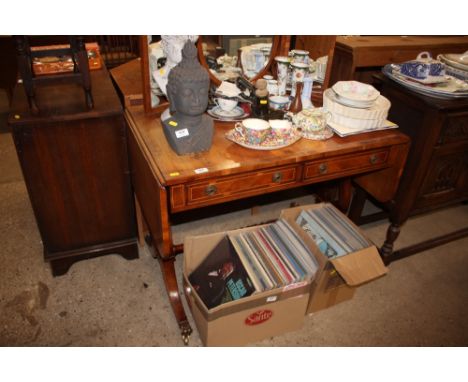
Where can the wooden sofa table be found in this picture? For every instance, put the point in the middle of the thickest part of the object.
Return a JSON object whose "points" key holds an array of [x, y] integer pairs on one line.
{"points": [[166, 184]]}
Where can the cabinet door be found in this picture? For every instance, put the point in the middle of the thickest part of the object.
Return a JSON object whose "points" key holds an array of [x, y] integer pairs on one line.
{"points": [[446, 179], [78, 181]]}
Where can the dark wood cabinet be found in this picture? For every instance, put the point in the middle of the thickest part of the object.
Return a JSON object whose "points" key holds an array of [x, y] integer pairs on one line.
{"points": [[436, 171], [75, 165], [360, 57]]}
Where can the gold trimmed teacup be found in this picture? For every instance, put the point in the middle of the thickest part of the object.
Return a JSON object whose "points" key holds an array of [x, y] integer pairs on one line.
{"points": [[253, 130]]}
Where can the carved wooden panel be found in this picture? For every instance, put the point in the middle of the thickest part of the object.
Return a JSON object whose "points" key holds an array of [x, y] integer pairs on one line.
{"points": [[455, 129], [447, 175]]}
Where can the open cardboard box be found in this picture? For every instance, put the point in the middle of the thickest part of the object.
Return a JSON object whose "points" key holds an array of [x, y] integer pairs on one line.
{"points": [[249, 319], [338, 278], [280, 310]]}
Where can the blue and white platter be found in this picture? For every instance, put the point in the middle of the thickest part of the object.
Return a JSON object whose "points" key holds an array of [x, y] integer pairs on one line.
{"points": [[449, 89]]}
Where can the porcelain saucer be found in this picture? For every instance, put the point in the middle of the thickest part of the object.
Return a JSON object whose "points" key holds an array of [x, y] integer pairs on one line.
{"points": [[270, 142], [234, 115]]}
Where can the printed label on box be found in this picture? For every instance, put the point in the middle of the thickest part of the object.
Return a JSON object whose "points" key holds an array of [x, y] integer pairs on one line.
{"points": [[258, 317]]}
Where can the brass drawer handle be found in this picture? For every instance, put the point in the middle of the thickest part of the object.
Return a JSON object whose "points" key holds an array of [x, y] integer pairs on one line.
{"points": [[373, 159], [277, 177], [211, 190], [323, 168]]}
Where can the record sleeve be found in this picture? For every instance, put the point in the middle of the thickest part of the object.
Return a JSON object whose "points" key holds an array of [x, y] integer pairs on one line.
{"points": [[349, 229], [325, 244], [221, 276], [242, 250]]}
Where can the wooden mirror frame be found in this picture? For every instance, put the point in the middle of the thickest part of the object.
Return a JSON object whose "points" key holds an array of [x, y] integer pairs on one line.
{"points": [[145, 76], [279, 47]]}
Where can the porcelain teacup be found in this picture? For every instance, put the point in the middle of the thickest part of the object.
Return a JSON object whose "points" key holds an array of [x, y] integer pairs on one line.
{"points": [[281, 129], [253, 130], [226, 104], [279, 102]]}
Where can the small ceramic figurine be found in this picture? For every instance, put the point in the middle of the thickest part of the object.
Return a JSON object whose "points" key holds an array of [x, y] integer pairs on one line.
{"points": [[260, 105], [188, 130]]}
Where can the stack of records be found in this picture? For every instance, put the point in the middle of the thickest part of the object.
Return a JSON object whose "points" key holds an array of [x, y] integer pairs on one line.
{"points": [[333, 235], [274, 256]]}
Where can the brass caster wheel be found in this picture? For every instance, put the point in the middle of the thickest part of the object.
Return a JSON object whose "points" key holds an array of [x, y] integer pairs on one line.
{"points": [[186, 331], [149, 240]]}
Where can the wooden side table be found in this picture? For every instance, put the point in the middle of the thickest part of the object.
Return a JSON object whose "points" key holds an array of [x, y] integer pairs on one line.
{"points": [[75, 165]]}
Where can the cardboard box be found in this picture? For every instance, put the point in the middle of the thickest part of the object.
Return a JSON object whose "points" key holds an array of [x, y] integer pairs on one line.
{"points": [[338, 278], [249, 319]]}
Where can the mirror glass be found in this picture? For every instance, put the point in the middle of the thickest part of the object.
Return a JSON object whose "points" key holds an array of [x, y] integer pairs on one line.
{"points": [[230, 56], [225, 57]]}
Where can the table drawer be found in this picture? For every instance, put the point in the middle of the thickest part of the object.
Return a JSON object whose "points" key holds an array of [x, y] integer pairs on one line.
{"points": [[234, 187], [330, 168]]}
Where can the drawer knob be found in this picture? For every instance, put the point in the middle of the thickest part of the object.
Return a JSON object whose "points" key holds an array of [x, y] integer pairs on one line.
{"points": [[277, 177], [373, 159], [211, 190], [323, 168]]}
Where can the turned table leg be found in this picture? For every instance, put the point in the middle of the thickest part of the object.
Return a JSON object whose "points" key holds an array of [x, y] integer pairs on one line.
{"points": [[170, 281], [387, 248], [357, 205], [167, 265], [344, 195], [398, 217]]}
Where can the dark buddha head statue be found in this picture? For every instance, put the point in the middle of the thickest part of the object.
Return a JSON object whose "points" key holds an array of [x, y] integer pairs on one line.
{"points": [[188, 84], [188, 130]]}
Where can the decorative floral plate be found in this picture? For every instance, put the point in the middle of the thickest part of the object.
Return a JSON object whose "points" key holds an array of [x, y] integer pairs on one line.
{"points": [[355, 91], [270, 142]]}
